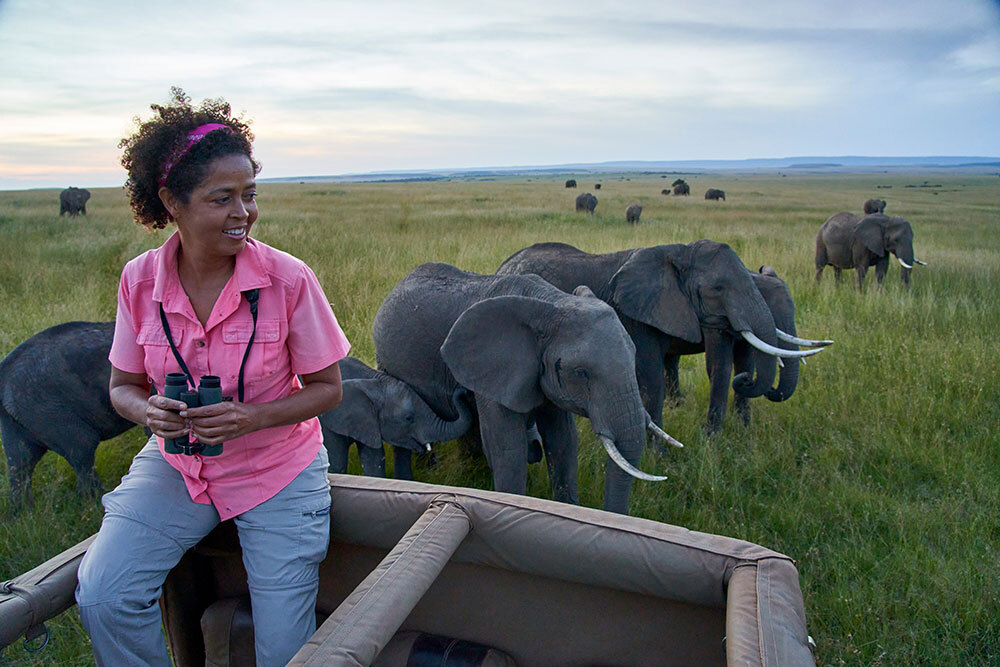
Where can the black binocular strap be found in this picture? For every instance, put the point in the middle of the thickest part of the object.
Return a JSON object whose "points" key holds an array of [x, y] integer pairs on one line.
{"points": [[251, 297]]}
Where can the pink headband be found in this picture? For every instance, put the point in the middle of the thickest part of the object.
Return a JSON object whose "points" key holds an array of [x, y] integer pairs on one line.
{"points": [[193, 137]]}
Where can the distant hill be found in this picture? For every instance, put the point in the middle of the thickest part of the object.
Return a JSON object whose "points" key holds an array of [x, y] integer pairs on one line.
{"points": [[791, 165]]}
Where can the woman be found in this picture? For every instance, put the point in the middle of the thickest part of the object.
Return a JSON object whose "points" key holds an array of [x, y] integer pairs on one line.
{"points": [[187, 307]]}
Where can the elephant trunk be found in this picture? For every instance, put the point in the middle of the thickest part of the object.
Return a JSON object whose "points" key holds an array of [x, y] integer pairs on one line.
{"points": [[442, 430], [904, 253], [751, 315], [620, 422], [788, 376]]}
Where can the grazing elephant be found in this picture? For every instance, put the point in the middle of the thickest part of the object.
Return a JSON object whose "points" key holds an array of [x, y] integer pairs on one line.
{"points": [[377, 407], [597, 186], [54, 395], [874, 206], [848, 241], [745, 356], [664, 191], [672, 299], [530, 354], [73, 201], [716, 194], [571, 183], [586, 203], [682, 189], [632, 213]]}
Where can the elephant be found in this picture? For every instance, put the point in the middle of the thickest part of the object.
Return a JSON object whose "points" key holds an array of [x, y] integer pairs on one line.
{"points": [[54, 395], [716, 194], [779, 302], [632, 213], [530, 353], [586, 203], [377, 407], [673, 300], [571, 183], [682, 189], [874, 206], [664, 191], [848, 241], [73, 201], [597, 186]]}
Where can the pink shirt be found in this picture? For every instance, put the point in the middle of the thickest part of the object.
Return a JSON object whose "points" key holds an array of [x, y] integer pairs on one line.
{"points": [[297, 333]]}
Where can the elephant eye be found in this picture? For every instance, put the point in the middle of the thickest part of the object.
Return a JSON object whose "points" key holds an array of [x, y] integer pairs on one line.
{"points": [[580, 373]]}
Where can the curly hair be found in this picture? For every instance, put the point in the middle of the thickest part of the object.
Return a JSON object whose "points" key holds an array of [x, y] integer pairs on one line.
{"points": [[146, 151]]}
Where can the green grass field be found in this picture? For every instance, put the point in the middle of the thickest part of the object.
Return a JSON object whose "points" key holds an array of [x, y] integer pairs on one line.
{"points": [[879, 477]]}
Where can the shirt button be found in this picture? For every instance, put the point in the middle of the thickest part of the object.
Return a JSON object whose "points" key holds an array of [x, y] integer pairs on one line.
{"points": [[201, 343]]}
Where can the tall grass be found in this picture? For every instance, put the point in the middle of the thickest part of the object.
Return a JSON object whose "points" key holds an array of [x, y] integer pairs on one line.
{"points": [[879, 476]]}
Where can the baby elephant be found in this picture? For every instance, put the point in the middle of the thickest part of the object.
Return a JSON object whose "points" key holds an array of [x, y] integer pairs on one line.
{"points": [[376, 407], [874, 206], [632, 213], [54, 395]]}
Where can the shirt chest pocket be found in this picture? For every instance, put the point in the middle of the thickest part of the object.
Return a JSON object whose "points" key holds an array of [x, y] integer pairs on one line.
{"points": [[267, 354], [158, 359]]}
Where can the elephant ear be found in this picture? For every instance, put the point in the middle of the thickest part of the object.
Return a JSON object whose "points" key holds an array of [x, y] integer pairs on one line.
{"points": [[357, 416], [647, 288], [768, 270], [870, 233], [494, 350]]}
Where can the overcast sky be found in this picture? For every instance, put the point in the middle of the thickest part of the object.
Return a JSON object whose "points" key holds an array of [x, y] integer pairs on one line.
{"points": [[347, 87]]}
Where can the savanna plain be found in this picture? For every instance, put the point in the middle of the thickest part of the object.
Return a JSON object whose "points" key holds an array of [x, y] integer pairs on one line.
{"points": [[879, 476]]}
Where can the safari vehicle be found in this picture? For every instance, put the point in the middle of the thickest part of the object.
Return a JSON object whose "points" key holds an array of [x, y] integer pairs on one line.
{"points": [[477, 578]]}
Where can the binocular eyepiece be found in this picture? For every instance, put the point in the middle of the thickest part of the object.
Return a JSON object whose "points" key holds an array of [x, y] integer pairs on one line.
{"points": [[209, 392]]}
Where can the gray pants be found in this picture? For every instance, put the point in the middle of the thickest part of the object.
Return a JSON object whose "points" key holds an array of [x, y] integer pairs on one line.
{"points": [[150, 521]]}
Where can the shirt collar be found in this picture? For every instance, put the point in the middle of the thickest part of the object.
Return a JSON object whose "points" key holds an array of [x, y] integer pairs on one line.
{"points": [[250, 273]]}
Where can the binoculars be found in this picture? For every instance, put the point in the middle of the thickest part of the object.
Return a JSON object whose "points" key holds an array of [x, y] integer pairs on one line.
{"points": [[209, 392]]}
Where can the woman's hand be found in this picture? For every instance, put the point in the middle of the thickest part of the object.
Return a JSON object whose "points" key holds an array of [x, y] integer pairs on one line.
{"points": [[219, 422], [163, 418]]}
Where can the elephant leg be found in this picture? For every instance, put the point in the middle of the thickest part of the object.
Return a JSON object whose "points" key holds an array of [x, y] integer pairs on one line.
{"points": [[860, 272], [402, 463], [337, 448], [649, 370], [743, 363], [560, 441], [505, 441], [719, 365], [881, 267], [837, 274], [671, 378], [372, 460], [22, 453]]}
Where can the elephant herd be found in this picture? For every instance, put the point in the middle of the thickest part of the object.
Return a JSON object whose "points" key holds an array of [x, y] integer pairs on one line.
{"points": [[503, 360], [587, 202]]}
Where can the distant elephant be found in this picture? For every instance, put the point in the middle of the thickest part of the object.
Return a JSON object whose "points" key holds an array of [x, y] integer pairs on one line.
{"points": [[377, 407], [779, 302], [874, 206], [632, 213], [54, 395], [673, 300], [73, 201], [597, 186], [664, 191], [571, 183], [682, 189], [529, 353], [848, 241], [677, 182], [586, 203], [713, 193]]}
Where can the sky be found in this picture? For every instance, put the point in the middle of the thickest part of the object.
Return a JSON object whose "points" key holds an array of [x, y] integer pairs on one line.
{"points": [[356, 87]]}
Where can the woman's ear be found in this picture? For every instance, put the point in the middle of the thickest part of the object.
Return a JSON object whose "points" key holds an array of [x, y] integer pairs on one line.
{"points": [[170, 202]]}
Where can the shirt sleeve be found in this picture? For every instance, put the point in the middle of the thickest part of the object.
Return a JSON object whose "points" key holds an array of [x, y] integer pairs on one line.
{"points": [[315, 339], [126, 354]]}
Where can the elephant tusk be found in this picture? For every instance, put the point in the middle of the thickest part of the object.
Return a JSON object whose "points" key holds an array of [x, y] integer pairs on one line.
{"points": [[617, 457], [666, 437], [428, 446], [788, 338], [917, 261], [776, 351], [803, 361], [781, 363], [905, 265]]}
